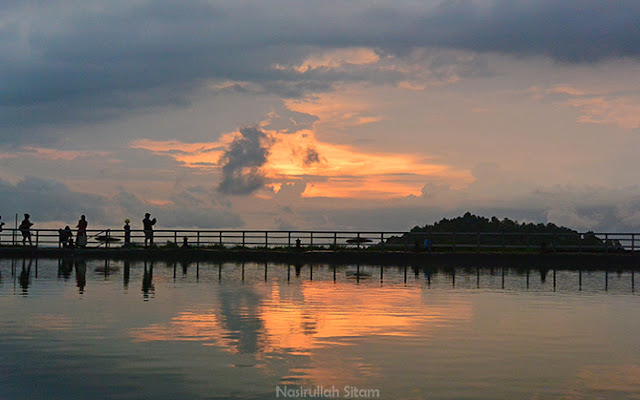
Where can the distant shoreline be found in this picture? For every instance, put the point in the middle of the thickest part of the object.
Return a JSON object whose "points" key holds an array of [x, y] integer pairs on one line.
{"points": [[514, 260]]}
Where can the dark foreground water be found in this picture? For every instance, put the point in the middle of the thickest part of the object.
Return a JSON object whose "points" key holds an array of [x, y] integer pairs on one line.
{"points": [[110, 330]]}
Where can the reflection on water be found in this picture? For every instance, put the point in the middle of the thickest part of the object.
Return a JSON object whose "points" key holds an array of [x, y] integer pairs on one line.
{"points": [[203, 330]]}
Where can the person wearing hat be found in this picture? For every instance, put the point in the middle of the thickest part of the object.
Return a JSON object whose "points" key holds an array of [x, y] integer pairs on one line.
{"points": [[24, 227], [127, 233]]}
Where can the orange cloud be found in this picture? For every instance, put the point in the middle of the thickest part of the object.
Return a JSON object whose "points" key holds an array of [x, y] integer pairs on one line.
{"points": [[330, 170], [332, 59]]}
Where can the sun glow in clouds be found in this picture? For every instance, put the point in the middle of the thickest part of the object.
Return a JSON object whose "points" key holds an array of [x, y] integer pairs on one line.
{"points": [[328, 170]]}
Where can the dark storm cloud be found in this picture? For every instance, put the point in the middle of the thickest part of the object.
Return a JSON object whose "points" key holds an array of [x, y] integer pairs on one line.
{"points": [[67, 63], [566, 30], [242, 162]]}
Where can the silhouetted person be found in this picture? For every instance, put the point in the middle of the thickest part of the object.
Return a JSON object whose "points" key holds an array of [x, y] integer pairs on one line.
{"points": [[25, 229], [185, 243], [81, 236], [147, 226], [65, 236], [127, 233]]}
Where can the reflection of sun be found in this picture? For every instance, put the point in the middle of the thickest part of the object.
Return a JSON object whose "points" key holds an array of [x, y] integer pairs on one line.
{"points": [[308, 324], [617, 381], [188, 326], [327, 316]]}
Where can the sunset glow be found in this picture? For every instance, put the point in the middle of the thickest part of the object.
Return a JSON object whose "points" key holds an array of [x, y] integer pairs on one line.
{"points": [[286, 326], [332, 171]]}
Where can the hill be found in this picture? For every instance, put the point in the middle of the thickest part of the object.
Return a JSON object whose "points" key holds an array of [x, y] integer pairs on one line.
{"points": [[472, 231]]}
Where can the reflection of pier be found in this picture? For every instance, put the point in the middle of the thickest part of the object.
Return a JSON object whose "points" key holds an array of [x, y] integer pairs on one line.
{"points": [[25, 275]]}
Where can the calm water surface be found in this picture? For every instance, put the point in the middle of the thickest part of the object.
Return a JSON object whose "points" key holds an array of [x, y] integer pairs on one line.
{"points": [[113, 330]]}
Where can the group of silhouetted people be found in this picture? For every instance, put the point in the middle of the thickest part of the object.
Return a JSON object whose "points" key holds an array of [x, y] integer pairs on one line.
{"points": [[66, 235]]}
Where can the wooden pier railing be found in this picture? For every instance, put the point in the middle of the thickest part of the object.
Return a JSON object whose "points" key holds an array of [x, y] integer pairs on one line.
{"points": [[336, 240]]}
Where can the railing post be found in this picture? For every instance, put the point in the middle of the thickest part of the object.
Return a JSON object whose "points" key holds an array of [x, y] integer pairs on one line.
{"points": [[633, 242], [266, 240], [107, 236], [198, 240], [175, 237], [243, 238], [606, 242], [503, 244], [382, 240], [311, 240], [454, 242], [289, 238], [221, 239], [478, 242], [37, 237], [358, 241], [335, 240]]}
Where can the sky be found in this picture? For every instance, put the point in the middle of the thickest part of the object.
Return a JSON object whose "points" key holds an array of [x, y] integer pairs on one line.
{"points": [[332, 115]]}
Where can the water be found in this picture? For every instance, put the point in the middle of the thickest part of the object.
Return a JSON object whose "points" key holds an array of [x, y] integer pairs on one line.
{"points": [[112, 330]]}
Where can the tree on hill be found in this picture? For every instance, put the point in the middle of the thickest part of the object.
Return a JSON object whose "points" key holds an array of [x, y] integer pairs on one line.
{"points": [[473, 223], [471, 231]]}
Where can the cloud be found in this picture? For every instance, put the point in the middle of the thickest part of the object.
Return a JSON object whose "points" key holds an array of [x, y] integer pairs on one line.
{"points": [[622, 111], [289, 192], [49, 200], [568, 215], [193, 207], [242, 162], [286, 121], [311, 156], [69, 63]]}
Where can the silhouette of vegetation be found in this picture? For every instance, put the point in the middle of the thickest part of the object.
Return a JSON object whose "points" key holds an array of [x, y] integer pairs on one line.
{"points": [[474, 231]]}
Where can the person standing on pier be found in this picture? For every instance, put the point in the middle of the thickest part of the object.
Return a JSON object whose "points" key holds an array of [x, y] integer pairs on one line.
{"points": [[81, 236], [25, 229], [147, 226], [127, 233]]}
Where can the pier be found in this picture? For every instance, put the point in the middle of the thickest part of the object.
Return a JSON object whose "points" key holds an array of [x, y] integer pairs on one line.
{"points": [[580, 250], [437, 242]]}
